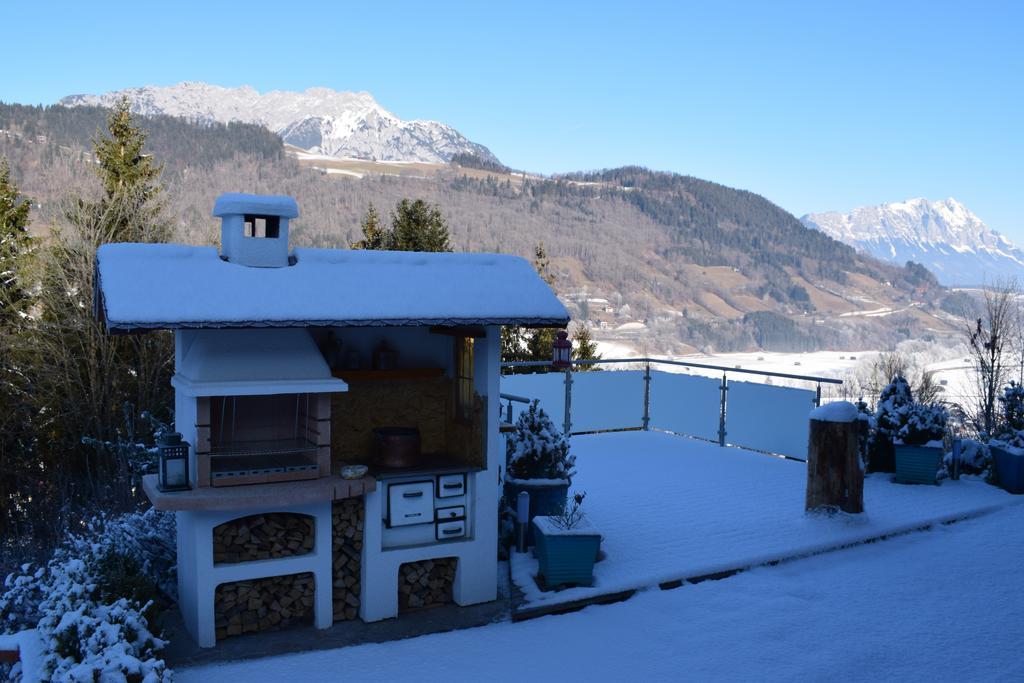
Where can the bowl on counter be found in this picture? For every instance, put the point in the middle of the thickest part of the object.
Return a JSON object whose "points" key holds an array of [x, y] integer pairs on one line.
{"points": [[354, 471]]}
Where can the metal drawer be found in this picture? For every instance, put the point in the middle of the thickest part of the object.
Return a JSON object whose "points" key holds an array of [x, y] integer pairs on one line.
{"points": [[410, 503], [451, 485], [453, 513], [449, 530]]}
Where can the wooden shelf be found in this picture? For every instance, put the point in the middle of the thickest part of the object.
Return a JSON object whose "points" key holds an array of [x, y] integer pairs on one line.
{"points": [[395, 374]]}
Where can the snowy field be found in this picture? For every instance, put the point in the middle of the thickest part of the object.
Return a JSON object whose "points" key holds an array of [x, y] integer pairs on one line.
{"points": [[671, 508], [936, 605]]}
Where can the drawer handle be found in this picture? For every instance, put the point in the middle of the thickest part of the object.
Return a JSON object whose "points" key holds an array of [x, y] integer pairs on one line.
{"points": [[414, 514], [453, 486], [413, 494], [451, 532]]}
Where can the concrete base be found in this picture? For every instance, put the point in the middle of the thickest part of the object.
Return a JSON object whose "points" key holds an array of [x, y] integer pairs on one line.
{"points": [[184, 652]]}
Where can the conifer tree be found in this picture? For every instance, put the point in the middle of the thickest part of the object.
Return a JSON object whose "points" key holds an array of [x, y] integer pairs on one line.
{"points": [[374, 234], [418, 226], [584, 347], [15, 246]]}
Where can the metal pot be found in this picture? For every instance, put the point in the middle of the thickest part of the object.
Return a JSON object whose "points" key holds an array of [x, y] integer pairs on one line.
{"points": [[397, 446]]}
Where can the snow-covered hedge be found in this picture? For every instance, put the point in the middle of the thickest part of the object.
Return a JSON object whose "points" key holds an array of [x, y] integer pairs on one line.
{"points": [[923, 422], [537, 449], [93, 602]]}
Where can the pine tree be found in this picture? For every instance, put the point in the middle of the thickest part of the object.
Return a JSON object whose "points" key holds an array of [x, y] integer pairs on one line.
{"points": [[518, 344], [418, 226], [375, 235], [584, 347], [132, 202], [15, 246]]}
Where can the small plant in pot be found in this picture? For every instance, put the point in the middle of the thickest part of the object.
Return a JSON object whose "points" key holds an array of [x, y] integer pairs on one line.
{"points": [[567, 546], [538, 462], [919, 448], [1008, 447]]}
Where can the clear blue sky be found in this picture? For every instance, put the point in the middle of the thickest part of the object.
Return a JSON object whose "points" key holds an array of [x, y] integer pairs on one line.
{"points": [[816, 105]]}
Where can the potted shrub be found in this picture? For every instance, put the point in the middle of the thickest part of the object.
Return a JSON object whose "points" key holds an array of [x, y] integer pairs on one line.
{"points": [[1008, 448], [919, 449], [538, 462], [567, 546], [890, 416]]}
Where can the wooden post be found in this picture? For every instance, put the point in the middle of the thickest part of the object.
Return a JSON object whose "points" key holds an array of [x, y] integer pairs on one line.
{"points": [[835, 478]]}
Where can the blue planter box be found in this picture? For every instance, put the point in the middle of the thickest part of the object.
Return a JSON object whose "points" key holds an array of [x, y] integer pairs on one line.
{"points": [[566, 557], [545, 500], [1009, 469], [917, 464]]}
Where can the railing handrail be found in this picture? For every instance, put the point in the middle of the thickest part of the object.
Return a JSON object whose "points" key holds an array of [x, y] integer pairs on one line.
{"points": [[688, 364], [515, 399]]}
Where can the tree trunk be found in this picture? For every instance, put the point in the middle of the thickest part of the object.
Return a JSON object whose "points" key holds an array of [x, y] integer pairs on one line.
{"points": [[835, 479]]}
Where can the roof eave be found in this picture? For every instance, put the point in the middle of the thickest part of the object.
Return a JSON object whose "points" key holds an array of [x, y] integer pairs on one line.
{"points": [[124, 327]]}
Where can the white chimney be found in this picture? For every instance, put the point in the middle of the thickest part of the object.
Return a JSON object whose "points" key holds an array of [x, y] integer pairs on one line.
{"points": [[254, 228]]}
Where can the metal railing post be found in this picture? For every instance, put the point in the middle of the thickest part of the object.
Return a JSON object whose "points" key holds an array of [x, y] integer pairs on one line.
{"points": [[817, 396], [647, 397], [721, 412], [567, 424], [508, 413]]}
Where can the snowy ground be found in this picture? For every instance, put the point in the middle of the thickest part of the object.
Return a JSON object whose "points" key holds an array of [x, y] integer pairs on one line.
{"points": [[672, 508], [935, 605]]}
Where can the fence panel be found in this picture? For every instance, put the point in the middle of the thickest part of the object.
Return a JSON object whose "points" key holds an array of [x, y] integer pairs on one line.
{"points": [[686, 404], [609, 399], [549, 388], [768, 418]]}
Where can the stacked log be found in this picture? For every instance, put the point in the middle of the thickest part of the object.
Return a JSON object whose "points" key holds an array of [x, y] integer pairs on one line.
{"points": [[263, 604], [263, 537], [427, 583], [347, 548]]}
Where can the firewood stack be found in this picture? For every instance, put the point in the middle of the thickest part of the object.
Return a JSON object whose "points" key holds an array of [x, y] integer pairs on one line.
{"points": [[427, 583], [347, 547], [263, 537], [263, 604]]}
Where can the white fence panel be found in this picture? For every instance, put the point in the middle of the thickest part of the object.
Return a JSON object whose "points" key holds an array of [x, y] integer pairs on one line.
{"points": [[686, 404], [549, 388], [769, 418], [607, 399]]}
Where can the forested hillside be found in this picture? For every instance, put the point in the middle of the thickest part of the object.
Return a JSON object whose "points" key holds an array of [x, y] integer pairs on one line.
{"points": [[682, 263]]}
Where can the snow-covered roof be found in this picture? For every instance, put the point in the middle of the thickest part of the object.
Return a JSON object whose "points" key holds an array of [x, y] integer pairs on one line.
{"points": [[250, 362], [169, 286]]}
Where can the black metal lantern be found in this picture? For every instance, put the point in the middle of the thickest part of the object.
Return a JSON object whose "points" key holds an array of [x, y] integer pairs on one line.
{"points": [[561, 351], [173, 462]]}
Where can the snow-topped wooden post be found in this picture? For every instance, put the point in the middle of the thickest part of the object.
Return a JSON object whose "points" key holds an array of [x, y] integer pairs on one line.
{"points": [[835, 475]]}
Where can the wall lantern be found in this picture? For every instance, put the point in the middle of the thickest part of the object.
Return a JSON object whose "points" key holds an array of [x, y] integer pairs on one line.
{"points": [[561, 351], [173, 462]]}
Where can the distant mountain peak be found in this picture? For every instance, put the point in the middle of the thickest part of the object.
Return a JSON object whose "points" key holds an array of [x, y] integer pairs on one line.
{"points": [[319, 120], [943, 235]]}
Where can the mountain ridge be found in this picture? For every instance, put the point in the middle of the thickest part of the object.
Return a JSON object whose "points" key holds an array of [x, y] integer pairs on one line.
{"points": [[942, 235], [319, 120]]}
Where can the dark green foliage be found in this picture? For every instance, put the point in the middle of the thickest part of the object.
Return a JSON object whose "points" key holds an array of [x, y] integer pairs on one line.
{"points": [[15, 247], [415, 226], [468, 160], [584, 348], [120, 575]]}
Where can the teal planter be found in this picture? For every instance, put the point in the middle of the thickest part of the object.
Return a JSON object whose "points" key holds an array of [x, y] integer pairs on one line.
{"points": [[565, 557], [917, 464], [546, 499], [1009, 469]]}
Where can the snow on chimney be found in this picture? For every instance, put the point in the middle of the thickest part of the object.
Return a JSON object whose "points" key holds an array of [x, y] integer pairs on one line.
{"points": [[254, 228]]}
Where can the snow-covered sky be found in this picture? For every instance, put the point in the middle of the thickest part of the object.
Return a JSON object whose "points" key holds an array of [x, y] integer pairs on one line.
{"points": [[815, 105]]}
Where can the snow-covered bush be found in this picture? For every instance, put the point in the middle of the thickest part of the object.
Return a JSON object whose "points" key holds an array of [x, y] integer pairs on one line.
{"points": [[923, 422], [975, 458], [537, 449], [893, 402], [93, 602]]}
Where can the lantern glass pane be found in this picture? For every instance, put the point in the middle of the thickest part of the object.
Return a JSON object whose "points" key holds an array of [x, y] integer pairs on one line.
{"points": [[175, 472]]}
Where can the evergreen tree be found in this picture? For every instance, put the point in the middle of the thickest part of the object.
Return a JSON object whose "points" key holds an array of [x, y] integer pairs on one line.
{"points": [[584, 347], [18, 470], [375, 236], [418, 226], [415, 226], [130, 180], [518, 344], [15, 245]]}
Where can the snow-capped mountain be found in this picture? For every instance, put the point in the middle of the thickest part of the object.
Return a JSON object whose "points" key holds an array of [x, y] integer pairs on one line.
{"points": [[943, 236], [319, 120]]}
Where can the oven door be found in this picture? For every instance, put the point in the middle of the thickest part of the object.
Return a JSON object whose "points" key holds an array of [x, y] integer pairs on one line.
{"points": [[410, 503]]}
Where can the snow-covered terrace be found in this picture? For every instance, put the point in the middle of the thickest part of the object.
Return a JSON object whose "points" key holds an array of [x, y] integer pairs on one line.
{"points": [[672, 508]]}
